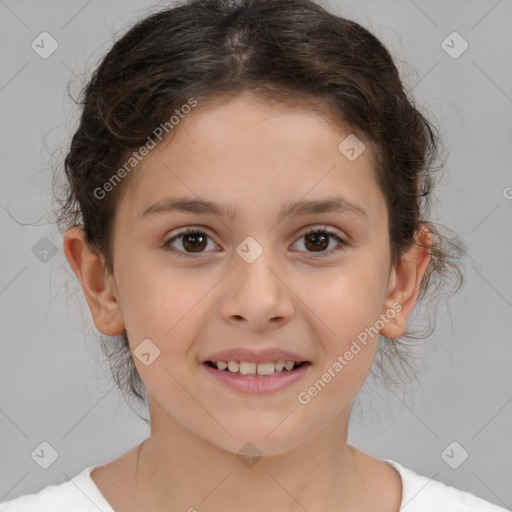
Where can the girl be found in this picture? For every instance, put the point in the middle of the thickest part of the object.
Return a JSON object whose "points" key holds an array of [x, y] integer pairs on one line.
{"points": [[248, 190]]}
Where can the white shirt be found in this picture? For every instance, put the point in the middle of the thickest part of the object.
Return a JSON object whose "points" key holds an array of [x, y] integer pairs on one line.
{"points": [[80, 494]]}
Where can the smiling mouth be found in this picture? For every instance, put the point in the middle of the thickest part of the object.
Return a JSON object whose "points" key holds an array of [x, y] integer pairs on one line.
{"points": [[257, 370]]}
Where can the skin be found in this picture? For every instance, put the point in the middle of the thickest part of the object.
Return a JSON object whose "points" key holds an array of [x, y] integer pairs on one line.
{"points": [[189, 307]]}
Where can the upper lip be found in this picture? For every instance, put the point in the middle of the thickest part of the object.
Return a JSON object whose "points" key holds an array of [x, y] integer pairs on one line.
{"points": [[255, 356]]}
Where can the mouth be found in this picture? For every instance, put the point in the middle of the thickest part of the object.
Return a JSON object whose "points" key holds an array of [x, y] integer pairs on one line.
{"points": [[257, 378]]}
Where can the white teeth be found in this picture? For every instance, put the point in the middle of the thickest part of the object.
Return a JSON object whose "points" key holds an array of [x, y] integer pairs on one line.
{"points": [[250, 368], [289, 365], [247, 368], [233, 366], [265, 368]]}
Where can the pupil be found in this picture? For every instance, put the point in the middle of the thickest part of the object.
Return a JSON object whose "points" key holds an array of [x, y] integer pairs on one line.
{"points": [[318, 238], [198, 242]]}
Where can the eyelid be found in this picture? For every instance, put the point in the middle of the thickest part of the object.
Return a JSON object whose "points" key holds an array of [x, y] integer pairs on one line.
{"points": [[187, 229], [323, 227]]}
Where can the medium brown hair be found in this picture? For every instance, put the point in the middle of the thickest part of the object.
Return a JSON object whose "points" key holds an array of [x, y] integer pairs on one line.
{"points": [[283, 51]]}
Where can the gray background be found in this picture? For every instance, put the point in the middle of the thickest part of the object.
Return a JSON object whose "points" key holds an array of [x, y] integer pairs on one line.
{"points": [[54, 385]]}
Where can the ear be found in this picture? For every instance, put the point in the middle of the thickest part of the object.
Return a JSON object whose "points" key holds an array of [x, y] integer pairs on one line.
{"points": [[98, 287], [405, 280]]}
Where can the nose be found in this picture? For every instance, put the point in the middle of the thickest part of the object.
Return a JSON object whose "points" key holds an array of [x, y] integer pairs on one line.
{"points": [[257, 295]]}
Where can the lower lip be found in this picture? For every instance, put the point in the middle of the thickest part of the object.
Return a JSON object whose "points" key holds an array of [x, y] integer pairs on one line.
{"points": [[258, 385]]}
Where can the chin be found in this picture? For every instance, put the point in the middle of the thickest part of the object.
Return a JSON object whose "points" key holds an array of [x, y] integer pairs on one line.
{"points": [[254, 441]]}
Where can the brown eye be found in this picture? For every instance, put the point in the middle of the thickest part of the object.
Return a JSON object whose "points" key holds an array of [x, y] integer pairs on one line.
{"points": [[191, 241], [194, 242], [317, 240]]}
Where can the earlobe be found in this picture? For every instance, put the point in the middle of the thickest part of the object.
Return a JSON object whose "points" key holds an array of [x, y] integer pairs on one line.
{"points": [[98, 287], [405, 282]]}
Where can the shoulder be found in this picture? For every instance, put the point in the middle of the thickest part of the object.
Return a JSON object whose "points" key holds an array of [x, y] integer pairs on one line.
{"points": [[79, 493], [423, 494]]}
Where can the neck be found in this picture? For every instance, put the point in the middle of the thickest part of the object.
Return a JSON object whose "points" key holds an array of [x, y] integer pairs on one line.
{"points": [[175, 466]]}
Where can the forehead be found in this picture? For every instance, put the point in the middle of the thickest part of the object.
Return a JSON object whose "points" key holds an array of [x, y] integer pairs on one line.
{"points": [[244, 151]]}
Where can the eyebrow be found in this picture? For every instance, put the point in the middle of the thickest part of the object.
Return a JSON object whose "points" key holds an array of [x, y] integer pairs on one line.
{"points": [[199, 206]]}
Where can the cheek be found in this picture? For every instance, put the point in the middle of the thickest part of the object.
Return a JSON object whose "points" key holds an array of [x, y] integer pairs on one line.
{"points": [[346, 300], [347, 304], [162, 319], [346, 311], [158, 302]]}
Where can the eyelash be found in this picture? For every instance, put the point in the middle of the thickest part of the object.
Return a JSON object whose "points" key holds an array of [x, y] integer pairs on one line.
{"points": [[316, 230]]}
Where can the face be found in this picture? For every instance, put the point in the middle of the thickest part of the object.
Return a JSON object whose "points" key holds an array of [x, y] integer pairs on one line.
{"points": [[309, 282]]}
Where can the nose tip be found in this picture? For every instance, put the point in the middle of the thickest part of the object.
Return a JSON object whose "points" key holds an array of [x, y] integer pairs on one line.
{"points": [[257, 296]]}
